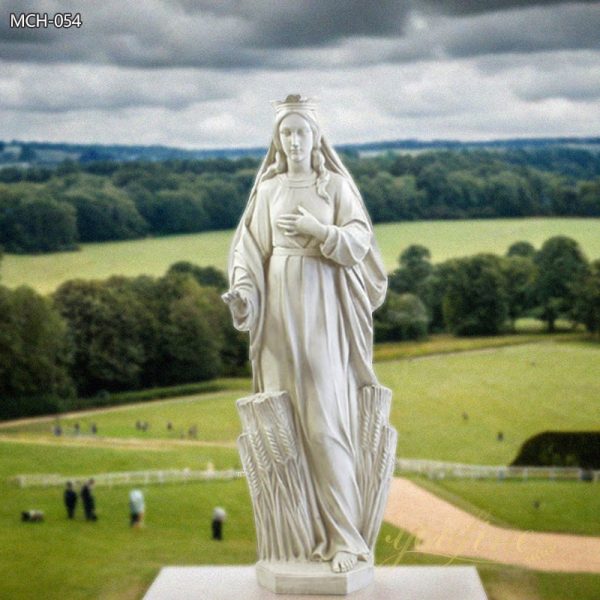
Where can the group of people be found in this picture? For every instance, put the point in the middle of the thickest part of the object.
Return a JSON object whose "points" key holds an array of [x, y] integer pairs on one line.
{"points": [[58, 430], [192, 431], [137, 506], [87, 499]]}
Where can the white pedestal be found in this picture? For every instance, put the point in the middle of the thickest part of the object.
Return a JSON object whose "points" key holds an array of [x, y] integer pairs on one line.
{"points": [[312, 578], [397, 583]]}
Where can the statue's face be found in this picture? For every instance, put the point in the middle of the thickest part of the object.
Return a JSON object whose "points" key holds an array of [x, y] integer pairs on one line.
{"points": [[296, 137]]}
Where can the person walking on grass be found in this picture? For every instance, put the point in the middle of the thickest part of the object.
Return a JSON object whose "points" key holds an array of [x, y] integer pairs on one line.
{"points": [[89, 502], [218, 519], [137, 508], [70, 498]]}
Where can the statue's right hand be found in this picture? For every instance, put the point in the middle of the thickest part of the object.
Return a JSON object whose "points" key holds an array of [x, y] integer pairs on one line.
{"points": [[237, 303]]}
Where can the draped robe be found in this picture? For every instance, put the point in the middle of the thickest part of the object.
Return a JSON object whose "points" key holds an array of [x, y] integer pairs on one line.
{"points": [[309, 313]]}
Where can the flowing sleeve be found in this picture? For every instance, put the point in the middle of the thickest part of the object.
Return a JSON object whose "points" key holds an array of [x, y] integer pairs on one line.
{"points": [[252, 248], [349, 238]]}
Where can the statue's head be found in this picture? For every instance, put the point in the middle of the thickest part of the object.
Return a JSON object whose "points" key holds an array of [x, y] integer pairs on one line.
{"points": [[295, 137], [297, 133]]}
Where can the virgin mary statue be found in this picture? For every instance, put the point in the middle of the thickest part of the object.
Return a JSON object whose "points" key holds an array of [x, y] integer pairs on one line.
{"points": [[305, 276]]}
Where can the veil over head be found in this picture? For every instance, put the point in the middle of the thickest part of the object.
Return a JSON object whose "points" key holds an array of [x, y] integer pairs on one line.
{"points": [[372, 265], [371, 268]]}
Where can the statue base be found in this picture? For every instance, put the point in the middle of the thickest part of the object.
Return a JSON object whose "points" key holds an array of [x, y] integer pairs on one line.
{"points": [[239, 582], [312, 577]]}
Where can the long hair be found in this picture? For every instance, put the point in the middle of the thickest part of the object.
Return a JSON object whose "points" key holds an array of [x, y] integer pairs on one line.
{"points": [[324, 161], [279, 164]]}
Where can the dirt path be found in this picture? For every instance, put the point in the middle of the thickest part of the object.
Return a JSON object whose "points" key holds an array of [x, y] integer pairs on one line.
{"points": [[442, 528], [118, 408], [113, 442]]}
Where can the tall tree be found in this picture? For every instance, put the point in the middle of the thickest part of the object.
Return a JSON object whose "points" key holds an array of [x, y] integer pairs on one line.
{"points": [[519, 276], [402, 317], [522, 248], [205, 276], [415, 267], [31, 220], [475, 300], [104, 324], [35, 353], [587, 302], [561, 267]]}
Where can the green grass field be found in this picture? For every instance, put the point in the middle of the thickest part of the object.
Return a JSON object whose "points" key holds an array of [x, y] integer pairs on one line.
{"points": [[519, 390], [445, 239], [78, 560], [107, 560], [213, 414], [564, 506]]}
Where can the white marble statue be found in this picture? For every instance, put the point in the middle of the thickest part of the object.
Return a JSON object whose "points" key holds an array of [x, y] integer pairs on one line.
{"points": [[305, 276]]}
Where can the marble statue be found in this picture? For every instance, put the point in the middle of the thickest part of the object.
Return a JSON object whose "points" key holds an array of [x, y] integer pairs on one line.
{"points": [[305, 276]]}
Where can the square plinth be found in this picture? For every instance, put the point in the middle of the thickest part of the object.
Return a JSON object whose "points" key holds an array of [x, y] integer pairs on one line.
{"points": [[398, 583], [312, 578]]}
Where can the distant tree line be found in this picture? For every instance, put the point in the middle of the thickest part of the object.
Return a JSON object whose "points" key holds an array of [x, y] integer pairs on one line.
{"points": [[44, 209], [98, 337], [485, 294], [479, 184]]}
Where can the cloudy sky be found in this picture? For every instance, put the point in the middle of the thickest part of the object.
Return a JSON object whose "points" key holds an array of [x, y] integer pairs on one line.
{"points": [[201, 73]]}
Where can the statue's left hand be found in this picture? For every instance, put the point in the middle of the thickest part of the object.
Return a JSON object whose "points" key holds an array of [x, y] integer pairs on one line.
{"points": [[303, 224]]}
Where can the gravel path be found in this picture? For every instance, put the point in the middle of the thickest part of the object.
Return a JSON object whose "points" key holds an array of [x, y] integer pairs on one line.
{"points": [[90, 441], [442, 528]]}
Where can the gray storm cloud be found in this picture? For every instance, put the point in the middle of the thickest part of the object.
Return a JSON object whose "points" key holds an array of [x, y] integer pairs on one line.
{"points": [[266, 34], [198, 72]]}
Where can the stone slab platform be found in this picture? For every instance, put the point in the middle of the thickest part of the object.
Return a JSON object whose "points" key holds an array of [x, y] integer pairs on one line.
{"points": [[391, 583], [312, 577]]}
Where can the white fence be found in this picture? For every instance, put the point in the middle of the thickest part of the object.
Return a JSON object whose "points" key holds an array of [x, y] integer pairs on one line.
{"points": [[447, 470], [430, 468], [127, 478]]}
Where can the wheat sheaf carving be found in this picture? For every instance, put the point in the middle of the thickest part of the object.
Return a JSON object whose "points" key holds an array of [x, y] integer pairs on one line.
{"points": [[280, 486]]}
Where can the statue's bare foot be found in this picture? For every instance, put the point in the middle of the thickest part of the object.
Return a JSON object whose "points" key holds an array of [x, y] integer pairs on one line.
{"points": [[343, 562]]}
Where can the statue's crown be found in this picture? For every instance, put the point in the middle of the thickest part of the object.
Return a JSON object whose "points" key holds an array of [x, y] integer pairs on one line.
{"points": [[294, 103]]}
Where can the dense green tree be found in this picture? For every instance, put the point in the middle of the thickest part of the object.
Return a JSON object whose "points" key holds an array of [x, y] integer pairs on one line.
{"points": [[509, 195], [588, 193], [475, 300], [35, 353], [587, 299], [223, 203], [206, 276], [522, 249], [563, 198], [104, 212], [31, 220], [11, 175], [401, 317], [415, 267], [433, 290], [466, 192], [27, 154], [519, 276], [177, 211], [561, 267], [232, 345], [107, 333], [191, 348]]}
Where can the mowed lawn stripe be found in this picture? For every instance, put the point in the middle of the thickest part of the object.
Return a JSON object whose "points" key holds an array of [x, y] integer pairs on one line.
{"points": [[516, 390], [153, 256]]}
